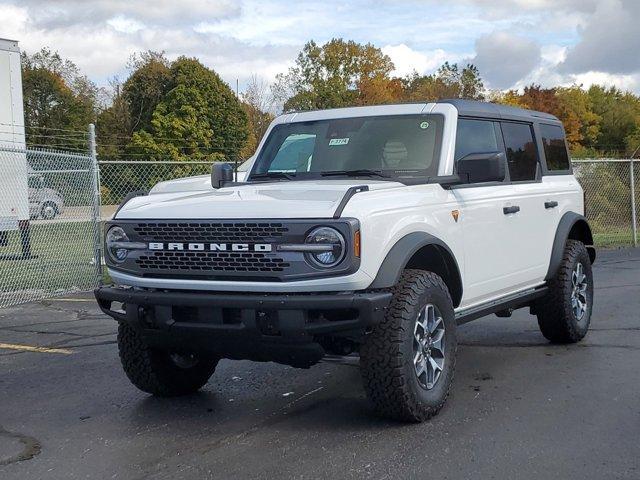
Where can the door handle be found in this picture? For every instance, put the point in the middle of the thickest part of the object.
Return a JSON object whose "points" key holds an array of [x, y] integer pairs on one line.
{"points": [[509, 210], [552, 204]]}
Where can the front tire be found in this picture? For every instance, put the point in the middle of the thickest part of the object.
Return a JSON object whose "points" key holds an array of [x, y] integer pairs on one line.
{"points": [[408, 360], [158, 372], [564, 314]]}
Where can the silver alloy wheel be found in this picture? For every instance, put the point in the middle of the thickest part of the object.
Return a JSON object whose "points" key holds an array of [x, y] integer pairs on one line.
{"points": [[48, 212], [579, 291], [184, 361], [428, 346]]}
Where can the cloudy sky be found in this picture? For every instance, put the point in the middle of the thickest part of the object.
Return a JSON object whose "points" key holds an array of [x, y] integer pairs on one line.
{"points": [[513, 42]]}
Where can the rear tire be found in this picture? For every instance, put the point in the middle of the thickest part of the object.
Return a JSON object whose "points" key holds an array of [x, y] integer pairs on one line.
{"points": [[564, 314], [158, 372], [399, 348]]}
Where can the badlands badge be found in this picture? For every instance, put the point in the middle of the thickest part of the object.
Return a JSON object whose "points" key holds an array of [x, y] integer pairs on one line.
{"points": [[455, 214]]}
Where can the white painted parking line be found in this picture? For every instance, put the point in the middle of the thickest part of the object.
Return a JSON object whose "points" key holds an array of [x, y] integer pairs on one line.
{"points": [[31, 348]]}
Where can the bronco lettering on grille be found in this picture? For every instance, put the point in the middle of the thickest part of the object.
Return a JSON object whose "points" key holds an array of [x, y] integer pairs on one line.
{"points": [[214, 247]]}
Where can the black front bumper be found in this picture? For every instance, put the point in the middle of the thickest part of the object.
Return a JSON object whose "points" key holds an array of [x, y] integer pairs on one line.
{"points": [[264, 327]]}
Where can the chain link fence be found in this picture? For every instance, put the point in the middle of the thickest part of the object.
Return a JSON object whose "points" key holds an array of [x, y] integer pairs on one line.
{"points": [[612, 193], [48, 229]]}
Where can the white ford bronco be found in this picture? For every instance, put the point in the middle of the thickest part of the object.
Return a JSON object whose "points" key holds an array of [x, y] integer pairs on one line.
{"points": [[370, 230]]}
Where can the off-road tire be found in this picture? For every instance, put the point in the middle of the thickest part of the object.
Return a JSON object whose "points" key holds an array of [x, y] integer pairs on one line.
{"points": [[556, 318], [153, 371], [386, 357]]}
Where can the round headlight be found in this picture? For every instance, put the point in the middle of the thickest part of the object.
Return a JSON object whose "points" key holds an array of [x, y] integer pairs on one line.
{"points": [[116, 235], [334, 244]]}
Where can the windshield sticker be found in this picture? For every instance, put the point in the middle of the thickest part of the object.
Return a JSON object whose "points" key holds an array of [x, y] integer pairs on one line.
{"points": [[424, 125], [338, 141]]}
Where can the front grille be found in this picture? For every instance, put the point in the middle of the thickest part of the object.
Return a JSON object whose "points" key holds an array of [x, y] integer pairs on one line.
{"points": [[211, 261], [230, 250], [210, 232]]}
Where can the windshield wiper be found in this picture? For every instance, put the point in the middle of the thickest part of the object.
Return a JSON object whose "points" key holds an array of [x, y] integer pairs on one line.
{"points": [[281, 175], [363, 172]]}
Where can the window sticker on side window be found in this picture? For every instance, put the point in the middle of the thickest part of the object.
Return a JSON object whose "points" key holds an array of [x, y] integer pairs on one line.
{"points": [[338, 141]]}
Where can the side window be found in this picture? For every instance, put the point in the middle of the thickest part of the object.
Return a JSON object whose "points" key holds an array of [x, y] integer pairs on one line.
{"points": [[522, 155], [475, 136], [555, 148], [294, 154]]}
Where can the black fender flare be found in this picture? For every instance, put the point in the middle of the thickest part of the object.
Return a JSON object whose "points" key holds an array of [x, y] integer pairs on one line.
{"points": [[568, 221], [401, 253]]}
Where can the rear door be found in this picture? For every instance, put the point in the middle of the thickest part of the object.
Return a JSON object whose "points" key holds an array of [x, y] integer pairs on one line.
{"points": [[531, 222]]}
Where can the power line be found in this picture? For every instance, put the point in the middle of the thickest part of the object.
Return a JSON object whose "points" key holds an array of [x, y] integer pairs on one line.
{"points": [[80, 132]]}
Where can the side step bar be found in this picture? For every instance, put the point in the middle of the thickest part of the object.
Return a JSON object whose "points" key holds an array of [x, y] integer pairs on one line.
{"points": [[515, 301]]}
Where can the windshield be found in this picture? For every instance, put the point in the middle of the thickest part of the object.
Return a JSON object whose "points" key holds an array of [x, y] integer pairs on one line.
{"points": [[399, 146]]}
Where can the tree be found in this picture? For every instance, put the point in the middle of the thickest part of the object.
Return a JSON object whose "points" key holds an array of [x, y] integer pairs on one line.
{"points": [[337, 74], [146, 86], [633, 142], [620, 114], [582, 124], [199, 118], [58, 101], [447, 82], [113, 125]]}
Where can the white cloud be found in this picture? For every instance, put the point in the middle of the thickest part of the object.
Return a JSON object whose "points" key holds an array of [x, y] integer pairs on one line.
{"points": [[102, 50], [624, 82], [516, 41], [504, 58], [68, 13], [125, 25], [406, 60]]}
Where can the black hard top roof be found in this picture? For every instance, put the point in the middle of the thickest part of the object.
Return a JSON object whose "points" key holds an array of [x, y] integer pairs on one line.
{"points": [[472, 108]]}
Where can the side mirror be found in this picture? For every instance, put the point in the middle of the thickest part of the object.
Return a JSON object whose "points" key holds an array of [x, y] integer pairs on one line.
{"points": [[482, 167], [221, 173]]}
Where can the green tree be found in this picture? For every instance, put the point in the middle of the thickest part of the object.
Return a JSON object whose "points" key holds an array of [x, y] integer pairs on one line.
{"points": [[632, 142], [337, 74], [199, 118], [620, 113], [58, 100]]}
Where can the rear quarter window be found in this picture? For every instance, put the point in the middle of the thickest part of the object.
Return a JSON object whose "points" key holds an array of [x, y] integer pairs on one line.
{"points": [[555, 147]]}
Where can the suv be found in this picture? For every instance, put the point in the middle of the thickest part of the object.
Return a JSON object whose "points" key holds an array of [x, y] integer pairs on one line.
{"points": [[374, 230]]}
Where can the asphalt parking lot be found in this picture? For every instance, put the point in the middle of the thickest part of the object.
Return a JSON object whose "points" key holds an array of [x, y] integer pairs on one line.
{"points": [[520, 408]]}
